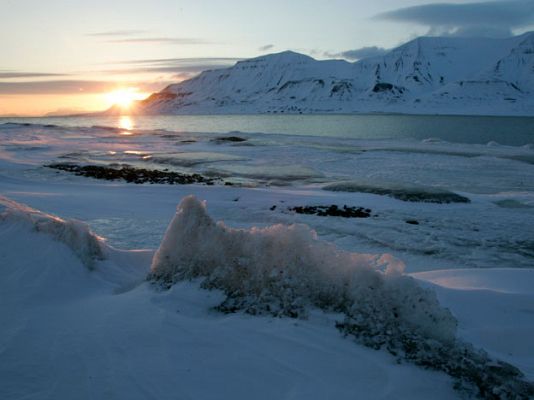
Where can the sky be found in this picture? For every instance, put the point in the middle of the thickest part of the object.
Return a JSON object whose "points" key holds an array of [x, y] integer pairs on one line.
{"points": [[68, 56]]}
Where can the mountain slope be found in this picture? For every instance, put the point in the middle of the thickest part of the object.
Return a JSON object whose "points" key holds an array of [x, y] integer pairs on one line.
{"points": [[505, 86], [427, 75]]}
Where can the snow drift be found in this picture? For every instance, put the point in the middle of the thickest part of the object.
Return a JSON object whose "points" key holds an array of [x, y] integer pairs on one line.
{"points": [[282, 269], [76, 235], [285, 270]]}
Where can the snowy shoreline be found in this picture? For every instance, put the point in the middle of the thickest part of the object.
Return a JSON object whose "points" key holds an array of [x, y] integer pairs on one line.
{"points": [[74, 331]]}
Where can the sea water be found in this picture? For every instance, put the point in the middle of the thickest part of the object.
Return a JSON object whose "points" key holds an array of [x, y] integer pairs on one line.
{"points": [[514, 131]]}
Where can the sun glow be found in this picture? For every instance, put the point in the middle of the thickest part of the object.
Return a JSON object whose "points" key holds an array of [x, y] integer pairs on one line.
{"points": [[123, 98]]}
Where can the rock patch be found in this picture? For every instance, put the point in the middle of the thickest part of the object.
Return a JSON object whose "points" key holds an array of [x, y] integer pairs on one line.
{"points": [[411, 194], [132, 175], [333, 211], [231, 139]]}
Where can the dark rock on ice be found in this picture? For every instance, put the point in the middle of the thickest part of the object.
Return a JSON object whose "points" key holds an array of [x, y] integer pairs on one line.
{"points": [[234, 139], [132, 175], [333, 211], [412, 194]]}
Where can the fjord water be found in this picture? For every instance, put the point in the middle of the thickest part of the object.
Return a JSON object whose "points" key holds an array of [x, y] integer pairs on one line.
{"points": [[512, 131]]}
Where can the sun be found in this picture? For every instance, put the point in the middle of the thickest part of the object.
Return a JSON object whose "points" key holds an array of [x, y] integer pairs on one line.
{"points": [[124, 97]]}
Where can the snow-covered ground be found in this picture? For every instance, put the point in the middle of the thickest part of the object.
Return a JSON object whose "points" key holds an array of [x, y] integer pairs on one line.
{"points": [[81, 321]]}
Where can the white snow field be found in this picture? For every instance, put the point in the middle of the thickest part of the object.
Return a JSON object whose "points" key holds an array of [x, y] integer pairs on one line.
{"points": [[79, 319]]}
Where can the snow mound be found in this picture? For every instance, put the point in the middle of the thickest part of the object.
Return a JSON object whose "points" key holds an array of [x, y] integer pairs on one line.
{"points": [[281, 270], [76, 235]]}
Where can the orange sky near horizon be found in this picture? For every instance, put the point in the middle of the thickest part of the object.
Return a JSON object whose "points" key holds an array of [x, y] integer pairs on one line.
{"points": [[66, 104], [51, 103]]}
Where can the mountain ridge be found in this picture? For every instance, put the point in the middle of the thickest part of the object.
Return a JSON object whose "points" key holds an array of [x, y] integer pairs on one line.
{"points": [[427, 75]]}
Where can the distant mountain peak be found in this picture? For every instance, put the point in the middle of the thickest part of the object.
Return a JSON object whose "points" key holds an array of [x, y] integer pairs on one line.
{"points": [[287, 56]]}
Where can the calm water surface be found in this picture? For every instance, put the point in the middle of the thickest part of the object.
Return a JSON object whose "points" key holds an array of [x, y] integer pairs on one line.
{"points": [[514, 131]]}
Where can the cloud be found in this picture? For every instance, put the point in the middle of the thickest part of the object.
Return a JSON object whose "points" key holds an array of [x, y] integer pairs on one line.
{"points": [[178, 69], [181, 67], [487, 18], [358, 54], [173, 68], [185, 60], [19, 74], [72, 87], [159, 40], [54, 87], [165, 69], [116, 33], [266, 47]]}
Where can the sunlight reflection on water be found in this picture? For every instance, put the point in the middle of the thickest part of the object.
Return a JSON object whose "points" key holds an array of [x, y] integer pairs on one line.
{"points": [[127, 124]]}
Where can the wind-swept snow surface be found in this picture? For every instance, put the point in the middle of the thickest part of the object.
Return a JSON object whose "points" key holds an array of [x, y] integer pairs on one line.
{"points": [[70, 332]]}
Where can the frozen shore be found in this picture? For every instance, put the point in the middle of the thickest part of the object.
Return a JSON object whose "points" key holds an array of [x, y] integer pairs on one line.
{"points": [[82, 321]]}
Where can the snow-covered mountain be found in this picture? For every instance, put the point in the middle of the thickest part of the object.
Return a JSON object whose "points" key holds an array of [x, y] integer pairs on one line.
{"points": [[427, 75]]}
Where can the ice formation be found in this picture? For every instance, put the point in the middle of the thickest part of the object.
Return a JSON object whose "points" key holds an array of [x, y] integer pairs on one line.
{"points": [[282, 269]]}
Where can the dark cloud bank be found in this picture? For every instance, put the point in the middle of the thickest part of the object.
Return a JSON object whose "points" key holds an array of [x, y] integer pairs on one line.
{"points": [[489, 18], [479, 19]]}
